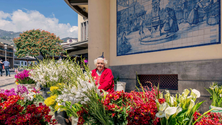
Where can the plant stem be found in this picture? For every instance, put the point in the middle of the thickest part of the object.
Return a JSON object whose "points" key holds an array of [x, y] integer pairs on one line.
{"points": [[203, 115]]}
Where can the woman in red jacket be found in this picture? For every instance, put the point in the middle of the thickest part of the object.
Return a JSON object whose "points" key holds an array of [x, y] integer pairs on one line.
{"points": [[103, 76]]}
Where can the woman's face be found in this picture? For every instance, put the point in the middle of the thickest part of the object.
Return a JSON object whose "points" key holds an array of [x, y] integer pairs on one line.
{"points": [[100, 65]]}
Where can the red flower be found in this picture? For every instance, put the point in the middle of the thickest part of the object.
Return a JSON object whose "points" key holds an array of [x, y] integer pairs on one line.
{"points": [[161, 101], [113, 114]]}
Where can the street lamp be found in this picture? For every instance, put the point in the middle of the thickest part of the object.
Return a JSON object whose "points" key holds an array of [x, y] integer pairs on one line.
{"points": [[5, 51]]}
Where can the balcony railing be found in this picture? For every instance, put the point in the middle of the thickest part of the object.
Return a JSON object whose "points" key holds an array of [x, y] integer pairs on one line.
{"points": [[7, 50], [2, 54]]}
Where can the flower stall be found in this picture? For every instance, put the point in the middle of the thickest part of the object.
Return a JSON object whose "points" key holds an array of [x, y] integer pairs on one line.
{"points": [[74, 91]]}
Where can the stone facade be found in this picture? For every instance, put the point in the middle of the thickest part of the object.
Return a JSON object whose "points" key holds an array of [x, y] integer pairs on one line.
{"points": [[191, 74]]}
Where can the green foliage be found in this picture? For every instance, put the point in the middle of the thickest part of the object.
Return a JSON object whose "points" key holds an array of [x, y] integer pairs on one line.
{"points": [[215, 91], [34, 41], [115, 80], [70, 108]]}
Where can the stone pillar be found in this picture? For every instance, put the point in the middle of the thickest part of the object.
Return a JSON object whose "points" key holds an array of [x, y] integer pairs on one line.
{"points": [[99, 30]]}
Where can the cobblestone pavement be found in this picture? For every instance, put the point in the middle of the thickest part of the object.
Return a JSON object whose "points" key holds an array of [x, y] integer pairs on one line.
{"points": [[7, 82]]}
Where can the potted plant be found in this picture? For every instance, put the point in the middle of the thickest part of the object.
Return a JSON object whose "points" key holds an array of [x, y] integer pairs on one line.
{"points": [[119, 86], [24, 79], [215, 91]]}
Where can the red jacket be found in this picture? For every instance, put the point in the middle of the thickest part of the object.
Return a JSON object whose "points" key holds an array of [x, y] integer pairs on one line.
{"points": [[106, 80]]}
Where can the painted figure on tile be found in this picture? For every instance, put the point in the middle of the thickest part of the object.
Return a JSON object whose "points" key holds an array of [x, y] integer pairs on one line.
{"points": [[155, 8], [125, 45], [142, 23], [194, 14], [170, 25], [155, 29], [185, 10], [103, 76], [213, 10]]}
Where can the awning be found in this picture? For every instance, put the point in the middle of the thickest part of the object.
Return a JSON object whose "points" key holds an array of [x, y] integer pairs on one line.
{"points": [[77, 46]]}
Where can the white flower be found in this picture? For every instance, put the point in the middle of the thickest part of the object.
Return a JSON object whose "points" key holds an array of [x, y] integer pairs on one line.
{"points": [[83, 102], [179, 109], [212, 88], [167, 91], [185, 92], [190, 97], [30, 98], [163, 106], [86, 99], [192, 103], [216, 88], [220, 95], [73, 90], [65, 90], [71, 98], [170, 111], [196, 92], [171, 100], [160, 114]]}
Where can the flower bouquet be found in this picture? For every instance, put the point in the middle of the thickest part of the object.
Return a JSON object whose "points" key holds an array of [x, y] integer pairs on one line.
{"points": [[215, 91], [23, 77]]}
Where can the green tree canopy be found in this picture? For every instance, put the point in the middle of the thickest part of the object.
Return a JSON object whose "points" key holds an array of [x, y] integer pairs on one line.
{"points": [[33, 42]]}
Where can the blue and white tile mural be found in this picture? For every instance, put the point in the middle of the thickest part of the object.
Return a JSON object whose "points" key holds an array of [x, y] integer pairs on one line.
{"points": [[155, 25]]}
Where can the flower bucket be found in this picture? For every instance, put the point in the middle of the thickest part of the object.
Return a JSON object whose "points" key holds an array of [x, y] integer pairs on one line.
{"points": [[74, 120], [61, 118], [45, 91], [28, 86], [120, 86], [216, 109]]}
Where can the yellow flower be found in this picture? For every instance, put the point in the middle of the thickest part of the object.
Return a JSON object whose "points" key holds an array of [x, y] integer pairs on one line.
{"points": [[57, 106], [50, 100], [16, 83], [34, 96], [53, 88]]}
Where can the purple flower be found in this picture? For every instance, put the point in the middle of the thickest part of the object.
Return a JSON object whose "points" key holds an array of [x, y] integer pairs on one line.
{"points": [[22, 75], [85, 61], [10, 92], [21, 90]]}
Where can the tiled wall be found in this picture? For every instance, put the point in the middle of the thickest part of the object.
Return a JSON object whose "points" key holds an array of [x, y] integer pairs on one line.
{"points": [[157, 25]]}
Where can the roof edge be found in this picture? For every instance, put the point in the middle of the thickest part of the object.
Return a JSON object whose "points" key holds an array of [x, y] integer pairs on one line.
{"points": [[77, 9]]}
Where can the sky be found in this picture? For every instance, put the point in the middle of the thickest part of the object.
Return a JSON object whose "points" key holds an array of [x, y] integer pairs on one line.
{"points": [[54, 16]]}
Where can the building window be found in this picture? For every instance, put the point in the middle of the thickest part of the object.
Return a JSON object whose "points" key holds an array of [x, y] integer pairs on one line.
{"points": [[165, 81], [84, 31]]}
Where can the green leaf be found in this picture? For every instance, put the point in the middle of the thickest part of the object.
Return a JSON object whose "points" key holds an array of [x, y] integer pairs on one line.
{"points": [[214, 99], [196, 107], [172, 121], [182, 113]]}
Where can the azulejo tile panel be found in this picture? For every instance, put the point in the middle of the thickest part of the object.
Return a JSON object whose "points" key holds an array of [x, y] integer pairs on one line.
{"points": [[157, 25]]}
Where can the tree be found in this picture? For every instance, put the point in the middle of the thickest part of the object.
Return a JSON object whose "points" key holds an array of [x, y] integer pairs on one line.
{"points": [[34, 42]]}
